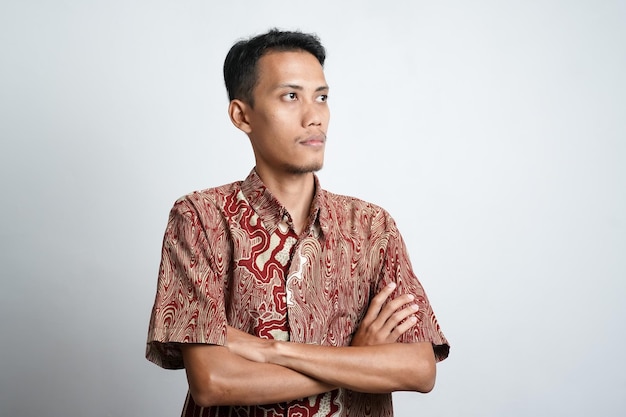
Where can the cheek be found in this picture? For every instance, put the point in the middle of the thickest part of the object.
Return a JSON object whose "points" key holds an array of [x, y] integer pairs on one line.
{"points": [[283, 115], [283, 122], [270, 123], [327, 115]]}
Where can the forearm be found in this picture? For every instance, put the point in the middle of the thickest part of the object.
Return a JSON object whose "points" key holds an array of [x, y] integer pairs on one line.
{"points": [[219, 377], [374, 369], [374, 363]]}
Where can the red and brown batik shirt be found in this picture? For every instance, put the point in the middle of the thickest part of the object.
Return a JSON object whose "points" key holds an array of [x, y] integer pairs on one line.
{"points": [[230, 256]]}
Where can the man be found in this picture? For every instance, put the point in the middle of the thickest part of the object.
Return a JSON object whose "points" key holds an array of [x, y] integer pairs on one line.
{"points": [[276, 296]]}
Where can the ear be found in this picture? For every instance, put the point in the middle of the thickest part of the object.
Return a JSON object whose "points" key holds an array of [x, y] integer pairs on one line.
{"points": [[238, 112]]}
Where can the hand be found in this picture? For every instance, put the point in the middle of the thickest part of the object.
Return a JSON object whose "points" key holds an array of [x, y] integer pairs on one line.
{"points": [[385, 323], [247, 346]]}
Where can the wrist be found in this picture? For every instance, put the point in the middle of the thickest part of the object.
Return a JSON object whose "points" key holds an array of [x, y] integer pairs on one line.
{"points": [[278, 352]]}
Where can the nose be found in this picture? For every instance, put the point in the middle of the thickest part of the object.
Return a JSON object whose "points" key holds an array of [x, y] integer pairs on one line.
{"points": [[314, 114]]}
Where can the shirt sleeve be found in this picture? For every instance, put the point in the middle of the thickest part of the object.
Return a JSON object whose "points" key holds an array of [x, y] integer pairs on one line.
{"points": [[189, 302], [397, 268]]}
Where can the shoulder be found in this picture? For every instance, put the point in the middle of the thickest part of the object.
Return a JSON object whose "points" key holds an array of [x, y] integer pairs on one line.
{"points": [[348, 203], [206, 204], [357, 213], [215, 196]]}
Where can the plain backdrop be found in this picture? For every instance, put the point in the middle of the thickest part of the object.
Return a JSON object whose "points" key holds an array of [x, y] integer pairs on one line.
{"points": [[493, 131]]}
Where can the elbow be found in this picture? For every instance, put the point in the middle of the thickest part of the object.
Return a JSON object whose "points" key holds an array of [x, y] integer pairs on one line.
{"points": [[209, 385], [202, 398], [207, 394], [205, 397], [424, 376], [427, 386]]}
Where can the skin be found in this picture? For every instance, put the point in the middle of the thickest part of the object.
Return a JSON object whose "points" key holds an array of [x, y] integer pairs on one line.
{"points": [[287, 129]]}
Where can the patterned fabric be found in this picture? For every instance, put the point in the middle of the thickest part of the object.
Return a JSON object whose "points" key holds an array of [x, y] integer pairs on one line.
{"points": [[231, 256]]}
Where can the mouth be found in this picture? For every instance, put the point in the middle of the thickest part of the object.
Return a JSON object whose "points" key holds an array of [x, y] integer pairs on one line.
{"points": [[314, 140]]}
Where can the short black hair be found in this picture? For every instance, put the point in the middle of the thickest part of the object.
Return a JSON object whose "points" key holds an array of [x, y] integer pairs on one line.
{"points": [[240, 65]]}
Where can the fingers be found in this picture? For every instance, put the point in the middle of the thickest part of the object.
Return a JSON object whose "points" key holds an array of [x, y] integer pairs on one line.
{"points": [[377, 302], [401, 321], [386, 319], [394, 318], [391, 316]]}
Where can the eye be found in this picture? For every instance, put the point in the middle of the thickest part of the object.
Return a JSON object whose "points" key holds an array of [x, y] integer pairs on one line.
{"points": [[323, 98], [291, 96]]}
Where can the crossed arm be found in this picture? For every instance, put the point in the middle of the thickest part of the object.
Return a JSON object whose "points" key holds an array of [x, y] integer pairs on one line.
{"points": [[250, 370]]}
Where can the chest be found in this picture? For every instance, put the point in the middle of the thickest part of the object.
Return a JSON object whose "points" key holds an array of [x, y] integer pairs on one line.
{"points": [[310, 289]]}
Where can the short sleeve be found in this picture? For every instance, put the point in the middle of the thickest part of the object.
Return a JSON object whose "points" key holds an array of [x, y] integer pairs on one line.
{"points": [[189, 302], [397, 268]]}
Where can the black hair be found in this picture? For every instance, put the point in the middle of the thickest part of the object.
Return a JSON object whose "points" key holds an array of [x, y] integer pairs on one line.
{"points": [[240, 65]]}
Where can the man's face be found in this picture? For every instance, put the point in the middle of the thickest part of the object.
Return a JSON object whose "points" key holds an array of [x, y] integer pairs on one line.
{"points": [[288, 124]]}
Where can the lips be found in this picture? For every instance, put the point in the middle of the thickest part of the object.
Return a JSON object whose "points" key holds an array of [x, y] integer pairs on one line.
{"points": [[314, 140]]}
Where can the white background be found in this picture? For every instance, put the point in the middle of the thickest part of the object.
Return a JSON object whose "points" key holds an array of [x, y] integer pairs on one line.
{"points": [[493, 131]]}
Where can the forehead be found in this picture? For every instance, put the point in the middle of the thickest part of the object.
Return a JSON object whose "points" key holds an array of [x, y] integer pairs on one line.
{"points": [[290, 66]]}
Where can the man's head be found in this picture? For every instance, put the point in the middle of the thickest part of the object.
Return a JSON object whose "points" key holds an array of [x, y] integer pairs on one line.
{"points": [[241, 63], [279, 99]]}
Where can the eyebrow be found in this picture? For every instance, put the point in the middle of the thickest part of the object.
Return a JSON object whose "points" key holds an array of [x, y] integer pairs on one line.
{"points": [[300, 88]]}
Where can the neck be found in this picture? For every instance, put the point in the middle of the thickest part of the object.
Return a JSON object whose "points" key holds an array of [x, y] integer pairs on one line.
{"points": [[295, 193]]}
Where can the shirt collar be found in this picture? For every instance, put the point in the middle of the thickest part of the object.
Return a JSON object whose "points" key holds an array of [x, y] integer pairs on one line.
{"points": [[271, 211]]}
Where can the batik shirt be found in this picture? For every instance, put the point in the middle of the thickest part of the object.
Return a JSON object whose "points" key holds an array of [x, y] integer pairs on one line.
{"points": [[231, 257]]}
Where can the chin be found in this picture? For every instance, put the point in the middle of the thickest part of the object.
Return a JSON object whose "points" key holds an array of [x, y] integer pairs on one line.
{"points": [[304, 169]]}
